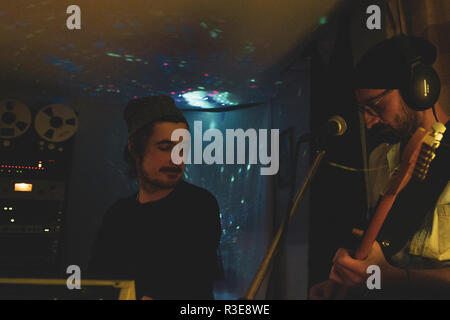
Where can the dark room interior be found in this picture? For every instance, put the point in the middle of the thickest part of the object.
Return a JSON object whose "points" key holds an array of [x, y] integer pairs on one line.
{"points": [[257, 65]]}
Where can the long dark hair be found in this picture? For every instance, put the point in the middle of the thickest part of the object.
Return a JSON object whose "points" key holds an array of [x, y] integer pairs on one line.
{"points": [[138, 143]]}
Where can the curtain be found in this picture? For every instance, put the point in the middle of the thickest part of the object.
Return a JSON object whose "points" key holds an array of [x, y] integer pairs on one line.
{"points": [[241, 192]]}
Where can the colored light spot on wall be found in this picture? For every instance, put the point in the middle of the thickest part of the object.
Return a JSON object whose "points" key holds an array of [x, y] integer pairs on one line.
{"points": [[204, 25], [65, 64], [205, 99], [215, 33], [224, 99], [249, 47], [113, 55], [323, 20]]}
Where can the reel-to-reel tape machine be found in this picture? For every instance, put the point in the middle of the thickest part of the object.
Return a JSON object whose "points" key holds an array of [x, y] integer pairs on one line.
{"points": [[53, 124], [35, 162]]}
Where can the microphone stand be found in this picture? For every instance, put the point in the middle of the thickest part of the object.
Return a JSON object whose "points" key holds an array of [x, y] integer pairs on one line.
{"points": [[282, 230]]}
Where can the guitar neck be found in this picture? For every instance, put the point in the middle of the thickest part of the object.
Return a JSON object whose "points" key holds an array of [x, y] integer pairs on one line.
{"points": [[374, 228], [396, 184]]}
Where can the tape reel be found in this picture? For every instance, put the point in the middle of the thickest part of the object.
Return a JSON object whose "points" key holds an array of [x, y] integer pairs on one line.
{"points": [[56, 123], [15, 119]]}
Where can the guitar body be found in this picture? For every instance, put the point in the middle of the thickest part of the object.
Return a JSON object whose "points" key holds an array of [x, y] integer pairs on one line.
{"points": [[416, 157]]}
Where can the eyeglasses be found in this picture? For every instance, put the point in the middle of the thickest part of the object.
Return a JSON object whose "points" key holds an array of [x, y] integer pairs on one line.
{"points": [[371, 105]]}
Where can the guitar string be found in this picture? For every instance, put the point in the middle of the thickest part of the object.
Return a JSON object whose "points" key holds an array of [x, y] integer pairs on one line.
{"points": [[341, 166]]}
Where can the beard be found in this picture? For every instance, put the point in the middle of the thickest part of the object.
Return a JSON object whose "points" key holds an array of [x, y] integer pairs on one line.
{"points": [[405, 125], [150, 184]]}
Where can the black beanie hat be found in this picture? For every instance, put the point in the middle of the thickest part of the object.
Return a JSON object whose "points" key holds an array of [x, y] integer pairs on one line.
{"points": [[387, 64], [142, 111]]}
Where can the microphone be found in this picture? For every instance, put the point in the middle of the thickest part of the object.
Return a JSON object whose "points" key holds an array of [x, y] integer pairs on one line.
{"points": [[335, 126]]}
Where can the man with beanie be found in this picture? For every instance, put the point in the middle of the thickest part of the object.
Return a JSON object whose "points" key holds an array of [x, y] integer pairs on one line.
{"points": [[166, 236], [414, 255]]}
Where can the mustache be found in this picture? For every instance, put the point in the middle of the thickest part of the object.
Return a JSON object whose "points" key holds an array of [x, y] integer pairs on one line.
{"points": [[390, 134], [170, 169]]}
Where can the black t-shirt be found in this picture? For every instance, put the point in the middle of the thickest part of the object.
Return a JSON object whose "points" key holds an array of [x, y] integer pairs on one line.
{"points": [[169, 247]]}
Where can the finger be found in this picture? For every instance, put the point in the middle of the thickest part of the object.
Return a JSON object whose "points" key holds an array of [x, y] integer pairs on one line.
{"points": [[346, 261], [376, 247], [335, 275], [316, 292], [317, 296], [341, 252], [321, 291], [340, 277], [345, 276]]}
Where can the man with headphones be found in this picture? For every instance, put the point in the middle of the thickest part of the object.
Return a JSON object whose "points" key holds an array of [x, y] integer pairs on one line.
{"points": [[397, 90]]}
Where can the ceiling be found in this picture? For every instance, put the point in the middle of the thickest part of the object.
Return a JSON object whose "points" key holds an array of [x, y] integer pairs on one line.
{"points": [[203, 53]]}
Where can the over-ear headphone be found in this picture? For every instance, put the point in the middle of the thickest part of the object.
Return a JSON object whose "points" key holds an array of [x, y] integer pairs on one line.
{"points": [[422, 86]]}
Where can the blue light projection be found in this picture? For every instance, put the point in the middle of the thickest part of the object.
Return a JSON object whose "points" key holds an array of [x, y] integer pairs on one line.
{"points": [[126, 57], [208, 100], [64, 64], [241, 193]]}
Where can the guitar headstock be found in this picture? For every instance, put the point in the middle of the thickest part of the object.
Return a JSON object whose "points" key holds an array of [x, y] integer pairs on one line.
{"points": [[429, 146], [416, 157]]}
